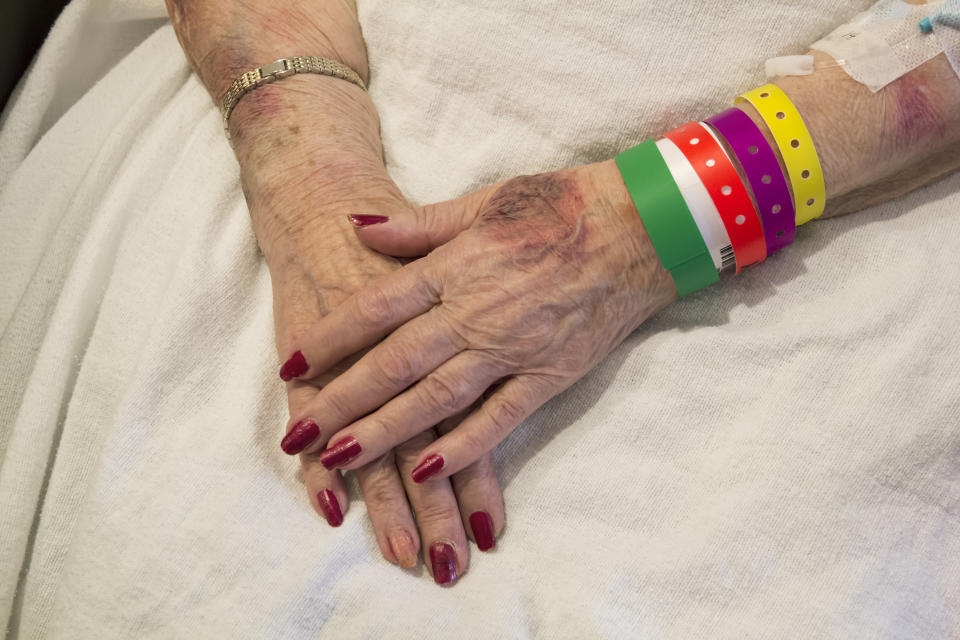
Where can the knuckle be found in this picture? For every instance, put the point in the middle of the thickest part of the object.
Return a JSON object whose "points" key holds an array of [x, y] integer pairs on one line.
{"points": [[374, 307], [439, 395], [380, 491], [504, 414], [336, 404], [435, 514], [476, 440], [384, 430], [398, 367]]}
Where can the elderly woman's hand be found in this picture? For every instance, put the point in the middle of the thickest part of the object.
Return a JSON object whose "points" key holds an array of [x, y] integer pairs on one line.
{"points": [[315, 158], [532, 282]]}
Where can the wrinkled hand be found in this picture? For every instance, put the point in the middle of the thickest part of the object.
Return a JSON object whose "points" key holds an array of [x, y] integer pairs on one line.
{"points": [[303, 170], [527, 286]]}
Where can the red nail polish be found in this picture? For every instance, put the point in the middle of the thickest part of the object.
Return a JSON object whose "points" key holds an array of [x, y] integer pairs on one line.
{"points": [[342, 452], [482, 525], [295, 366], [427, 468], [330, 507], [367, 220], [297, 439], [443, 559]]}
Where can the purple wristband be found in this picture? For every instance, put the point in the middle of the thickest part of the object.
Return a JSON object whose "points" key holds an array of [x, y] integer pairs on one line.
{"points": [[763, 171]]}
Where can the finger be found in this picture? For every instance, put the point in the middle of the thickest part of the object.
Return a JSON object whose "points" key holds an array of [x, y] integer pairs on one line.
{"points": [[484, 428], [410, 353], [438, 516], [389, 511], [451, 388], [325, 490], [478, 495], [417, 232], [365, 318]]}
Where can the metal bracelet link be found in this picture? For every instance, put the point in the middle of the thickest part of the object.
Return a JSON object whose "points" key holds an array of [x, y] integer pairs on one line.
{"points": [[278, 69]]}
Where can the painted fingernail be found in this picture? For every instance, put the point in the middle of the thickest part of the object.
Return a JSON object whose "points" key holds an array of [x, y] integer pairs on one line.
{"points": [[403, 549], [443, 559], [427, 468], [342, 452], [367, 220], [330, 507], [297, 439], [295, 366], [482, 525]]}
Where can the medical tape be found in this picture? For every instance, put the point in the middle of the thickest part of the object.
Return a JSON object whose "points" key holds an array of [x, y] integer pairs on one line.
{"points": [[883, 43], [701, 206], [670, 225], [731, 197]]}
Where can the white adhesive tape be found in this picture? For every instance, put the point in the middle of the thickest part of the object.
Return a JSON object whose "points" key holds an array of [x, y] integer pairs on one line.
{"points": [[789, 66], [701, 205], [883, 43]]}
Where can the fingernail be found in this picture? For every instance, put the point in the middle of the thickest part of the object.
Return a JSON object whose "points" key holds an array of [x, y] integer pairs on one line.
{"points": [[330, 507], [342, 452], [367, 220], [482, 525], [427, 468], [403, 549], [443, 559], [297, 439], [295, 366]]}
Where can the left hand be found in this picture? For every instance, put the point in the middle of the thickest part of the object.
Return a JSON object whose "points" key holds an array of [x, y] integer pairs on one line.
{"points": [[531, 283]]}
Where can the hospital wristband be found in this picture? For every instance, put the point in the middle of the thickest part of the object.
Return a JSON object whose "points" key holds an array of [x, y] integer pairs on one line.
{"points": [[665, 215], [764, 174], [722, 180], [796, 149], [701, 206]]}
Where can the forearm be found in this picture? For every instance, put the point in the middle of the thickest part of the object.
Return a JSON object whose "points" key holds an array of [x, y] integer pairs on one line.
{"points": [[308, 146]]}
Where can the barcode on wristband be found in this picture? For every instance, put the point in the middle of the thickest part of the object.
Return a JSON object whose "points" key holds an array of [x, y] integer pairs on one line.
{"points": [[727, 260]]}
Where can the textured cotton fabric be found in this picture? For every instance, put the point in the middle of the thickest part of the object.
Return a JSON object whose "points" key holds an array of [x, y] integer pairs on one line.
{"points": [[775, 457]]}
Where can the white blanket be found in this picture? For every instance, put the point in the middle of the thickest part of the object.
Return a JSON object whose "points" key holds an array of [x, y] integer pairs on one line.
{"points": [[777, 456]]}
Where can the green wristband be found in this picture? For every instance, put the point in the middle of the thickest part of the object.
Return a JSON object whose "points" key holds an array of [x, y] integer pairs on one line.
{"points": [[669, 223]]}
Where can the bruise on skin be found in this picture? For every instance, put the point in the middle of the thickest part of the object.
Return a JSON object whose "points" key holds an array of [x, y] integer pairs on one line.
{"points": [[538, 215], [919, 114], [513, 200]]}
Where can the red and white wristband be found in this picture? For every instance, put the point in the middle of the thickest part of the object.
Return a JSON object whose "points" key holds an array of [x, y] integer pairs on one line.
{"points": [[729, 194]]}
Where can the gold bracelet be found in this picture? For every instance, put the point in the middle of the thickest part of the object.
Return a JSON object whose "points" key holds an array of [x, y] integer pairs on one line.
{"points": [[281, 69]]}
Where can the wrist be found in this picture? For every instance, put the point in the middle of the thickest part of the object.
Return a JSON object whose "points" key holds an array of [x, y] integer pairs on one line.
{"points": [[304, 113], [875, 146], [308, 147], [642, 268], [223, 40]]}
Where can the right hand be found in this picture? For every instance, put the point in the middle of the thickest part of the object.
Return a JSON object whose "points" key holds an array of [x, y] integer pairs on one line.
{"points": [[310, 155]]}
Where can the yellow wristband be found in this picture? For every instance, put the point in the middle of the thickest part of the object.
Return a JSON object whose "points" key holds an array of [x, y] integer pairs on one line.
{"points": [[796, 148]]}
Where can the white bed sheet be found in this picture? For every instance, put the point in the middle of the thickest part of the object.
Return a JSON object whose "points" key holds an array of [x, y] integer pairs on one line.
{"points": [[778, 456]]}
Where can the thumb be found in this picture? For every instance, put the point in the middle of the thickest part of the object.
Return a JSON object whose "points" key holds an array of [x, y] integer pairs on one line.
{"points": [[416, 231]]}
